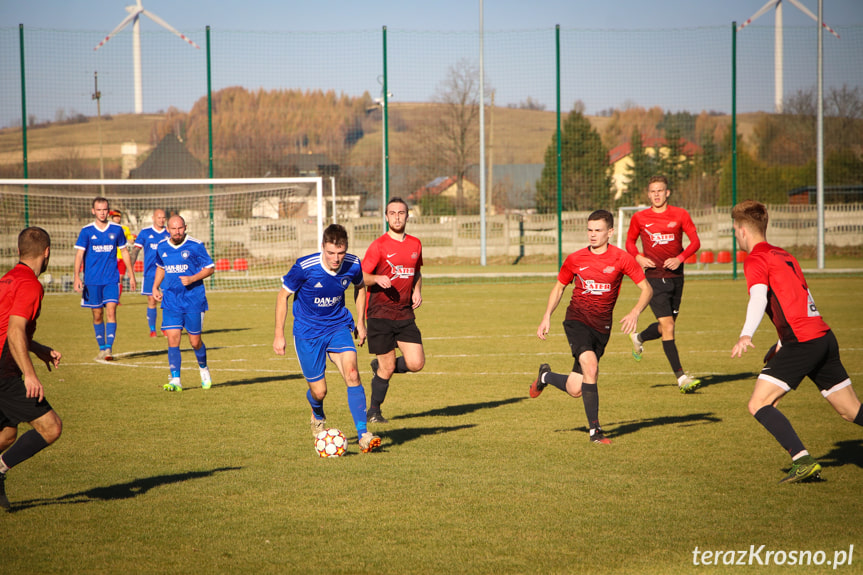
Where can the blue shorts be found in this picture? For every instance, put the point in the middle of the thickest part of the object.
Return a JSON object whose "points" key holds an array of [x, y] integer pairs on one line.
{"points": [[147, 286], [193, 322], [312, 353], [98, 296]]}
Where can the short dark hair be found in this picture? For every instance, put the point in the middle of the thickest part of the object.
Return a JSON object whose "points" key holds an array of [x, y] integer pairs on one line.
{"points": [[32, 242], [752, 213], [602, 215], [335, 234], [100, 199], [396, 200]]}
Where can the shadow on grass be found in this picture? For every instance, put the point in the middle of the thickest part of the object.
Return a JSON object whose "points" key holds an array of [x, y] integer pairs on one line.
{"points": [[464, 409], [262, 379], [401, 436], [119, 491], [155, 353], [707, 380], [844, 453], [225, 330], [627, 427]]}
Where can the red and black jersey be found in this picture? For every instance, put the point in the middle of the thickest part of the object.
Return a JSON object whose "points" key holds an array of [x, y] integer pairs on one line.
{"points": [[20, 295], [596, 280], [789, 304], [662, 238], [401, 262]]}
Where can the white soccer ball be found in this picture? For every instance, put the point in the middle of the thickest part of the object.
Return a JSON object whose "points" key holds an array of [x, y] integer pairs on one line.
{"points": [[331, 443]]}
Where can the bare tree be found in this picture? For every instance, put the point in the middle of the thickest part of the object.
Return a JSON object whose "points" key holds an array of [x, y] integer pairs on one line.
{"points": [[457, 126]]}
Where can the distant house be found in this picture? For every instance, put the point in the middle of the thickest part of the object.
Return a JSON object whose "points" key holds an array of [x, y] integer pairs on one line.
{"points": [[832, 194], [307, 166], [169, 159], [620, 158], [447, 187]]}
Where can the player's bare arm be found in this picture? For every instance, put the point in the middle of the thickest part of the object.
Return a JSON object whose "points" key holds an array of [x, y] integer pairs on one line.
{"points": [[129, 268], [157, 282], [629, 323], [201, 275], [50, 357], [644, 261], [416, 295], [553, 301], [19, 348], [381, 280], [281, 313], [360, 300], [79, 262]]}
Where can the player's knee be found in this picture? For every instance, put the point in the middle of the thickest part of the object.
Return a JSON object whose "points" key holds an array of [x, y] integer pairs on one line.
{"points": [[415, 365], [755, 405], [51, 429], [7, 437]]}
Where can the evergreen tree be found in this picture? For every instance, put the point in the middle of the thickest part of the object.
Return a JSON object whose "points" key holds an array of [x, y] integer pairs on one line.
{"points": [[586, 182]]}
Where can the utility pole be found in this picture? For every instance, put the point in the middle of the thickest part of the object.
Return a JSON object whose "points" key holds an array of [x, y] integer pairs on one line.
{"points": [[97, 95]]}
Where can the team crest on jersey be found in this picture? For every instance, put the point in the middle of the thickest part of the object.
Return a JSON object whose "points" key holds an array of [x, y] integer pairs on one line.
{"points": [[185, 254], [111, 236], [608, 270], [345, 282], [672, 224], [414, 256]]}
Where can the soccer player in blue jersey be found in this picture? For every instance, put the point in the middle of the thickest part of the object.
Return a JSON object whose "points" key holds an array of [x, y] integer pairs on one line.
{"points": [[182, 265], [147, 240], [323, 326], [96, 255]]}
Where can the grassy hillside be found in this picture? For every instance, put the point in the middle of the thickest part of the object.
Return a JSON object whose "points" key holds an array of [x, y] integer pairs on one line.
{"points": [[520, 136]]}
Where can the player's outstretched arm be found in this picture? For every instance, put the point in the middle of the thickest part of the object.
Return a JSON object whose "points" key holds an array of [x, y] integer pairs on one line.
{"points": [[281, 313], [16, 337], [553, 301], [629, 323], [79, 263], [130, 269]]}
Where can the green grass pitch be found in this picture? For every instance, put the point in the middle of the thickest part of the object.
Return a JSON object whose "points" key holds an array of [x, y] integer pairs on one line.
{"points": [[473, 476]]}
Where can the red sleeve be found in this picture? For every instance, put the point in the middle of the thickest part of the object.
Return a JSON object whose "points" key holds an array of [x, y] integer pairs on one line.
{"points": [[631, 268], [566, 274], [372, 257], [755, 270], [692, 234], [632, 235], [27, 300]]}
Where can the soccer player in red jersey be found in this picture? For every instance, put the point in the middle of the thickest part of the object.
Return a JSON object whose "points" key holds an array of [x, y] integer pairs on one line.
{"points": [[807, 346], [391, 270], [22, 397], [596, 273], [661, 228]]}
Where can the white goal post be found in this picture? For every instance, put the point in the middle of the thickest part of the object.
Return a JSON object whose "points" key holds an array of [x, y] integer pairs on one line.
{"points": [[251, 226]]}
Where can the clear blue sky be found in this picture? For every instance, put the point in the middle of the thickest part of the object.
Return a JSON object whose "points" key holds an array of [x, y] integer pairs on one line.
{"points": [[674, 53], [187, 15]]}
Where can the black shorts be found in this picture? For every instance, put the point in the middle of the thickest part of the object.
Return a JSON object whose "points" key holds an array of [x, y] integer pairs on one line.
{"points": [[818, 359], [667, 294], [15, 406], [584, 338], [383, 334]]}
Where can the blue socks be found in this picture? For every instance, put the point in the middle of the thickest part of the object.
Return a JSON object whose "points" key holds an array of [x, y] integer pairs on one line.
{"points": [[357, 405], [317, 406], [175, 360], [99, 329], [151, 318], [110, 332], [201, 355]]}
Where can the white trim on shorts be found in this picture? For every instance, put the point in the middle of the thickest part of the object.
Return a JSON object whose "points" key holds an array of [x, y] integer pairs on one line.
{"points": [[775, 381], [837, 387]]}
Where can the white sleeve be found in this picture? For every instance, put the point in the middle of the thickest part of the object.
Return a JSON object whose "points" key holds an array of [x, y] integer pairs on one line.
{"points": [[755, 310]]}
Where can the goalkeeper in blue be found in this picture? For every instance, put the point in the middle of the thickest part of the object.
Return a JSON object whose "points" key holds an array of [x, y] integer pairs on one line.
{"points": [[182, 265], [323, 326]]}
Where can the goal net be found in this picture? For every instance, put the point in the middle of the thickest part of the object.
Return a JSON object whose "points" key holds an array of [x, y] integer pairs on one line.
{"points": [[253, 227]]}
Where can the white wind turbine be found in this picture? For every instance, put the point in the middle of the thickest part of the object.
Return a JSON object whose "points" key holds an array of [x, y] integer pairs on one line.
{"points": [[135, 13], [777, 50]]}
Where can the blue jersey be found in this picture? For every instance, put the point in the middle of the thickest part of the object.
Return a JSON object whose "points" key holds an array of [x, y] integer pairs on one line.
{"points": [[319, 294], [147, 241], [186, 259], [100, 253]]}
